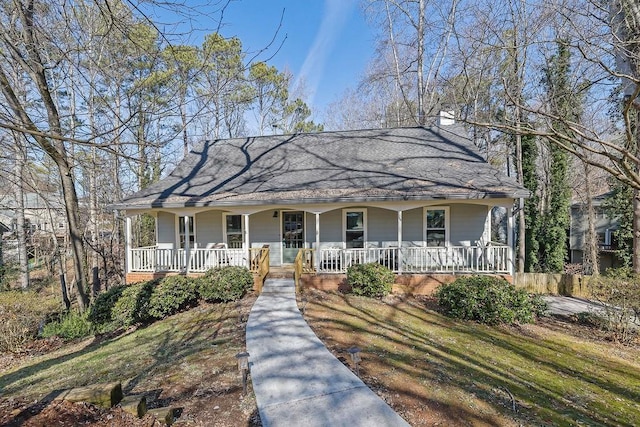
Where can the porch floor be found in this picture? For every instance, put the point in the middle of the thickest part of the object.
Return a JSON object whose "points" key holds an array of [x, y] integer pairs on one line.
{"points": [[296, 380]]}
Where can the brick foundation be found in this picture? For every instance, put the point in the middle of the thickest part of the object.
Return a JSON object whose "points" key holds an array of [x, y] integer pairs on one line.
{"points": [[410, 284], [136, 277]]}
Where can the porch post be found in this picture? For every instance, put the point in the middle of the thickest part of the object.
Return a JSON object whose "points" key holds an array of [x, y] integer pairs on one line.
{"points": [[510, 240], [317, 266], [187, 244], [399, 242], [127, 245], [245, 242]]}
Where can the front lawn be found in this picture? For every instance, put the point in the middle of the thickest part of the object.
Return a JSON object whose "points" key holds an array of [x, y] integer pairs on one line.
{"points": [[185, 361], [437, 371]]}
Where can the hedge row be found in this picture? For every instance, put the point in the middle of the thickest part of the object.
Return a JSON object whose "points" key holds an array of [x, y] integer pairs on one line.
{"points": [[143, 302]]}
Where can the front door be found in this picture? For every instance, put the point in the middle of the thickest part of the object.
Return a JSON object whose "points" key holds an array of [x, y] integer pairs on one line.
{"points": [[292, 235]]}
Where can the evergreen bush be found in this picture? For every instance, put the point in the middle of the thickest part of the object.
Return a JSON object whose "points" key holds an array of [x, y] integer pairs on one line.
{"points": [[490, 300], [70, 325], [370, 280], [228, 283], [133, 305], [100, 310], [172, 294]]}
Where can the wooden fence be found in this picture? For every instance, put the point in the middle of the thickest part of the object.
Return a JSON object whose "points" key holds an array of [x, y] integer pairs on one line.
{"points": [[574, 285]]}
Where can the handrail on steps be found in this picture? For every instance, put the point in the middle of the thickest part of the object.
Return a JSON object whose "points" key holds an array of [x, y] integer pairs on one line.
{"points": [[304, 263], [260, 264]]}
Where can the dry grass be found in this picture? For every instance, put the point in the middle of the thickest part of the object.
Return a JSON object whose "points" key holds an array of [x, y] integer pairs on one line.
{"points": [[437, 371], [187, 361]]}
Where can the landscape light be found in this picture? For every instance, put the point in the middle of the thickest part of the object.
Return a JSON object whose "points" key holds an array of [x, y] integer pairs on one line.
{"points": [[243, 367], [354, 352]]}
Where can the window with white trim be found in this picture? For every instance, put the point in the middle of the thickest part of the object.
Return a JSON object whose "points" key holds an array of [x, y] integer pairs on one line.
{"points": [[355, 227], [182, 233], [233, 230], [436, 231]]}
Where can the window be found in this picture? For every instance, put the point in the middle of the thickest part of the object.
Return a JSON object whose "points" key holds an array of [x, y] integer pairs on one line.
{"points": [[233, 231], [436, 224], [355, 228], [181, 231]]}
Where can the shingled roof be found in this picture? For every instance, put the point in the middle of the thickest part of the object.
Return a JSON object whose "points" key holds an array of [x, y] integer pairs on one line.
{"points": [[349, 166]]}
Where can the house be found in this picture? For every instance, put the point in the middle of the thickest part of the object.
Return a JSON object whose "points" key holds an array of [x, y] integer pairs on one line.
{"points": [[604, 228], [417, 200], [43, 208]]}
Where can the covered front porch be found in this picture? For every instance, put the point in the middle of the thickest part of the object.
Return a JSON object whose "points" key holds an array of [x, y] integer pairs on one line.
{"points": [[408, 238], [490, 258]]}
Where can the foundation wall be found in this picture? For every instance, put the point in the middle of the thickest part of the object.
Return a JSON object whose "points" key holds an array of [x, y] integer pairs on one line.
{"points": [[409, 284]]}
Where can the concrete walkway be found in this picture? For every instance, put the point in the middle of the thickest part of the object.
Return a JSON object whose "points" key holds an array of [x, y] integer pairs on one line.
{"points": [[296, 380], [567, 306]]}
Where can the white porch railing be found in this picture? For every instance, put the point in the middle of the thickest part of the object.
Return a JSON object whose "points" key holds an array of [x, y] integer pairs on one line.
{"points": [[155, 259], [450, 259]]}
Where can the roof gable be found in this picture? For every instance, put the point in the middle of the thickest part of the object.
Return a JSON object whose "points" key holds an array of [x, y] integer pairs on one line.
{"points": [[377, 164]]}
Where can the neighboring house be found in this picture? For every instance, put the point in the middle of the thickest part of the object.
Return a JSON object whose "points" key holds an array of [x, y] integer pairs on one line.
{"points": [[604, 227], [43, 209], [418, 200]]}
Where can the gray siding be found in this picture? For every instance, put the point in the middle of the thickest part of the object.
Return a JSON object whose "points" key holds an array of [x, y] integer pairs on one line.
{"points": [[310, 228], [412, 223], [467, 223], [331, 228], [382, 227], [208, 228], [166, 230], [264, 229]]}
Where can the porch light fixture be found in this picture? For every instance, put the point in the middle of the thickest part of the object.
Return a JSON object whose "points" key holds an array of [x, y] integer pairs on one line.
{"points": [[243, 368], [354, 352], [275, 214]]}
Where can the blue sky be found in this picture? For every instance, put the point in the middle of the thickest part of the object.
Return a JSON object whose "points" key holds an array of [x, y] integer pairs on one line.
{"points": [[326, 43]]}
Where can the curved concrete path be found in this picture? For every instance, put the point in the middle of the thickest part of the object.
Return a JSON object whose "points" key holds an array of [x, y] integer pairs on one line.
{"points": [[296, 380]]}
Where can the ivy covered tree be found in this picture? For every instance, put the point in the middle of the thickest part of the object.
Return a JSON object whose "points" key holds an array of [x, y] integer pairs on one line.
{"points": [[564, 102], [619, 207], [532, 214]]}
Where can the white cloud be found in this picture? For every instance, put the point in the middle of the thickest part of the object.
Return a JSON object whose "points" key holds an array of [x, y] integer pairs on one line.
{"points": [[336, 15]]}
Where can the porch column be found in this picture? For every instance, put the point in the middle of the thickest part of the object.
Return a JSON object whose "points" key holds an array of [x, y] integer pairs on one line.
{"points": [[317, 263], [187, 244], [510, 240], [127, 245], [399, 242], [246, 234]]}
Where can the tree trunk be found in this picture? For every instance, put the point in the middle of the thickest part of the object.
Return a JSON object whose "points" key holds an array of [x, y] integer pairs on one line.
{"points": [[21, 223], [636, 205], [590, 262], [420, 64]]}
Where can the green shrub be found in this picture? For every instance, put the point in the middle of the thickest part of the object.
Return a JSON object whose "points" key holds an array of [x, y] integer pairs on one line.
{"points": [[69, 326], [370, 280], [228, 283], [488, 299], [172, 294], [21, 315], [100, 310], [133, 305]]}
